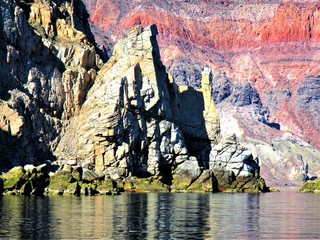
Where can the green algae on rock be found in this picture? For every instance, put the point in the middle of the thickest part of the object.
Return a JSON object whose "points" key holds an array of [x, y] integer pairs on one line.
{"points": [[24, 181], [311, 186], [60, 182], [135, 184]]}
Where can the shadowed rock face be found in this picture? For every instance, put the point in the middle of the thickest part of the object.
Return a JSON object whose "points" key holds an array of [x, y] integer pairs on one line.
{"points": [[265, 54]]}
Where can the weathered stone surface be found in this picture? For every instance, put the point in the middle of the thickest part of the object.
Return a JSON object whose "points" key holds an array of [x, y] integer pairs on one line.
{"points": [[77, 172], [25, 181], [13, 178], [185, 174], [206, 182], [60, 182], [42, 168], [134, 184], [10, 122], [234, 166], [106, 187], [30, 168], [47, 67], [137, 122], [72, 189], [88, 175], [196, 112]]}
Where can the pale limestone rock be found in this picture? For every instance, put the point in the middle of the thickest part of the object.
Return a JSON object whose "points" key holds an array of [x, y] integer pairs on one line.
{"points": [[89, 175], [67, 168], [113, 106], [185, 174]]}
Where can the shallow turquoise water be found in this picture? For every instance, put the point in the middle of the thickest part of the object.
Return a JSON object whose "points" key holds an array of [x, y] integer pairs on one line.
{"points": [[284, 215]]}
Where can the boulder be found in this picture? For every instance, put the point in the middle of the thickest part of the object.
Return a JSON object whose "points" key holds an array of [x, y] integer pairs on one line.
{"points": [[185, 174], [13, 179], [311, 186], [235, 167], [106, 187], [77, 173], [30, 168], [89, 175], [25, 182], [72, 189], [99, 187], [43, 168], [60, 182]]}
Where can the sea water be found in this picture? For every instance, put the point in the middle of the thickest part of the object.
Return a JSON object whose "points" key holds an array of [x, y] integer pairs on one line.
{"points": [[279, 215]]}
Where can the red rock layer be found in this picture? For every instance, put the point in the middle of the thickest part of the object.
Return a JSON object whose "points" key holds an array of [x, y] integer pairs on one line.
{"points": [[221, 26]]}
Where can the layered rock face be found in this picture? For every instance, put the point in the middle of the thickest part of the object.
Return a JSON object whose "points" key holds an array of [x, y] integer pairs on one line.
{"points": [[47, 66], [265, 55], [136, 122]]}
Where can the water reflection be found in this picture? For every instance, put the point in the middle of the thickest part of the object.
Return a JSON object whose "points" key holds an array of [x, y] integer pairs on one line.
{"points": [[234, 217], [162, 216], [24, 217]]}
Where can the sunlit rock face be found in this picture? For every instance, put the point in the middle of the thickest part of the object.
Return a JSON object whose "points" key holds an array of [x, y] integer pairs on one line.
{"points": [[137, 122], [265, 56], [47, 66]]}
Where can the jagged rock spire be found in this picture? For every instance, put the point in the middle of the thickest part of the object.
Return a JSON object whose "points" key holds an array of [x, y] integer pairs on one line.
{"points": [[137, 122]]}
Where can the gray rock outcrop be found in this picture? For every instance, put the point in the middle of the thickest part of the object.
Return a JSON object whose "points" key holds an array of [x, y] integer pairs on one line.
{"points": [[47, 66], [137, 122]]}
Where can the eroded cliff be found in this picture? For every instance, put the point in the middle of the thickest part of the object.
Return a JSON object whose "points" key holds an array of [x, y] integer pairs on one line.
{"points": [[265, 50], [136, 122], [47, 66], [123, 120]]}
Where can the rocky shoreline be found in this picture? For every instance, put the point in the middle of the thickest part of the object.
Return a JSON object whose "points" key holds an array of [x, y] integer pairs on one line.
{"points": [[75, 180]]}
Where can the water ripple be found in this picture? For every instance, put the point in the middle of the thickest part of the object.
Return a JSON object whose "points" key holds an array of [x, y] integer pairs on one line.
{"points": [[285, 215]]}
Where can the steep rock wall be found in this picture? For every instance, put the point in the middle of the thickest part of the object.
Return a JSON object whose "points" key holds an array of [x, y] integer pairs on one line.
{"points": [[47, 67], [137, 122]]}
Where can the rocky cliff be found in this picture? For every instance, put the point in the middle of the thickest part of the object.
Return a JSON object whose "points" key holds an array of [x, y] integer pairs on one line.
{"points": [[265, 57], [136, 122], [124, 120], [264, 82], [47, 66]]}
